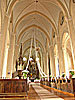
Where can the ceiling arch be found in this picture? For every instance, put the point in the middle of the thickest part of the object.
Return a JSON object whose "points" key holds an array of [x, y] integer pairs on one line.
{"points": [[33, 12], [36, 41], [31, 27], [30, 34], [64, 9], [26, 54], [60, 4], [50, 17], [32, 19], [29, 40]]}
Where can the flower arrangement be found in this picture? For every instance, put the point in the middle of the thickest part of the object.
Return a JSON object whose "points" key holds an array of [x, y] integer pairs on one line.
{"points": [[50, 76], [37, 79], [71, 73], [25, 75], [25, 72]]}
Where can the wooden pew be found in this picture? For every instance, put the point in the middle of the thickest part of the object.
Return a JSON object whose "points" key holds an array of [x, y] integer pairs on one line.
{"points": [[13, 88]]}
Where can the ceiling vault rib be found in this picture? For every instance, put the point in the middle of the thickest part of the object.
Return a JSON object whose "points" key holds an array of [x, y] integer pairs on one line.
{"points": [[33, 12], [36, 41], [26, 34], [31, 27], [49, 13], [23, 10]]}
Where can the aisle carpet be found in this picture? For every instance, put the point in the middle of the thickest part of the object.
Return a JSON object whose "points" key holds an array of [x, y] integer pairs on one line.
{"points": [[44, 94]]}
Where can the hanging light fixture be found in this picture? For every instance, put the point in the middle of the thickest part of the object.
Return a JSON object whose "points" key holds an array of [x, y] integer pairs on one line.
{"points": [[30, 59], [24, 59], [37, 59]]}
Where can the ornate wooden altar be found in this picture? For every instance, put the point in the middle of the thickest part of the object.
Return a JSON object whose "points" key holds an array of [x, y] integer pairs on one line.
{"points": [[13, 85], [33, 72]]}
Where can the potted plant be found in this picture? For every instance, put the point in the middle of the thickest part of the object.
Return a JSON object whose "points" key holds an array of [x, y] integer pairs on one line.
{"points": [[25, 72], [71, 73]]}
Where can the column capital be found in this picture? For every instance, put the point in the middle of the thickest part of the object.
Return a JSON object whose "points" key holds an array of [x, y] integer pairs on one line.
{"points": [[70, 18], [16, 45], [47, 53], [57, 36], [8, 45], [12, 35], [6, 15], [63, 49], [50, 46], [55, 55]]}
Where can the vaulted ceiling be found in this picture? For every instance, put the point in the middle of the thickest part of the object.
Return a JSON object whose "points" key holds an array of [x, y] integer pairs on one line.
{"points": [[37, 17]]}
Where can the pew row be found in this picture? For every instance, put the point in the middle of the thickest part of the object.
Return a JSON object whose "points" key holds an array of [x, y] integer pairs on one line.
{"points": [[13, 88], [60, 84]]}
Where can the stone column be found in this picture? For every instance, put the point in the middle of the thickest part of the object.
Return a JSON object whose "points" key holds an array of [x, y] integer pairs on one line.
{"points": [[10, 56], [41, 61], [66, 63], [47, 65], [44, 60], [56, 65], [5, 62], [3, 42], [72, 36], [61, 56], [15, 56], [52, 61]]}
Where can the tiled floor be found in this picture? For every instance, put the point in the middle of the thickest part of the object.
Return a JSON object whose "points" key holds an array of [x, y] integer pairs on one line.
{"points": [[65, 96], [40, 93], [32, 95], [44, 94]]}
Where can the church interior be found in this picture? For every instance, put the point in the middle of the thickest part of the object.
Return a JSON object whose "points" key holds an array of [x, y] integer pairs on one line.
{"points": [[37, 49]]}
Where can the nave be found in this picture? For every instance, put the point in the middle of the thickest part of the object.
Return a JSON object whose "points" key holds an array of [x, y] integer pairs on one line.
{"points": [[37, 42], [37, 92], [41, 92]]}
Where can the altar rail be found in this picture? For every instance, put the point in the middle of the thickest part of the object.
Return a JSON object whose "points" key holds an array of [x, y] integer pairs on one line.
{"points": [[13, 85], [61, 84]]}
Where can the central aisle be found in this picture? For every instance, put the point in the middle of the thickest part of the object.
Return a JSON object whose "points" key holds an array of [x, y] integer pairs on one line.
{"points": [[43, 93]]}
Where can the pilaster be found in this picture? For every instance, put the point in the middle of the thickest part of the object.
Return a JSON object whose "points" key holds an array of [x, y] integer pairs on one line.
{"points": [[3, 43], [10, 56], [47, 64], [52, 61], [61, 56], [15, 56]]}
